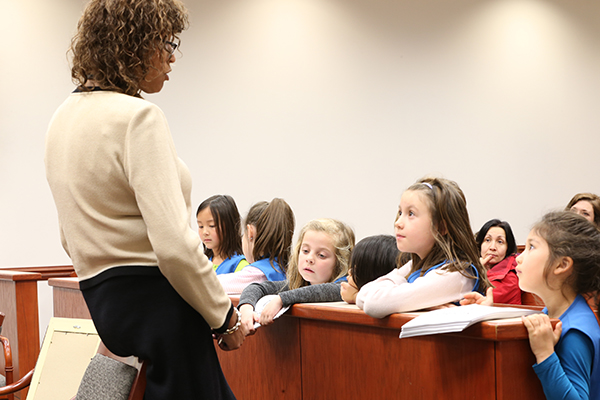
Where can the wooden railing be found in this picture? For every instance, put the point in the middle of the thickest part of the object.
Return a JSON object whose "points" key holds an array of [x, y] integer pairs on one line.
{"points": [[46, 272], [337, 351], [310, 343], [19, 301]]}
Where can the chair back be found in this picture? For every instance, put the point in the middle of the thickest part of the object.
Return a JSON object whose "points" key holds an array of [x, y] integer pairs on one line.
{"points": [[106, 378]]}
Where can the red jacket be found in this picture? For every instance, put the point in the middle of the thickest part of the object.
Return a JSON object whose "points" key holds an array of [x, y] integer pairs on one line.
{"points": [[504, 277]]}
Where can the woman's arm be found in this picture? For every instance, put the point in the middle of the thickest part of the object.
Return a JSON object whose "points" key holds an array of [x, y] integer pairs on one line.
{"points": [[161, 185], [391, 293]]}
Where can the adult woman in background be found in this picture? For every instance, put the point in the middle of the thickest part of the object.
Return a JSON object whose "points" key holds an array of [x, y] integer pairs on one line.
{"points": [[498, 255], [123, 202], [587, 205]]}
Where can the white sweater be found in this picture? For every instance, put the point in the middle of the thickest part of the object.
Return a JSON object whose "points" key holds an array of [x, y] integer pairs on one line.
{"points": [[123, 196], [392, 293]]}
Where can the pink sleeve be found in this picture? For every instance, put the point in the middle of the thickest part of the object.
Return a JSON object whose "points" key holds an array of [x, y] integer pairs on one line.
{"points": [[392, 293], [235, 282]]}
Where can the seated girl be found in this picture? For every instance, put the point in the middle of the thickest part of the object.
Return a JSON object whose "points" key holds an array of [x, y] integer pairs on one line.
{"points": [[268, 233], [219, 229], [432, 225], [372, 257], [587, 205], [560, 265], [318, 264], [498, 248]]}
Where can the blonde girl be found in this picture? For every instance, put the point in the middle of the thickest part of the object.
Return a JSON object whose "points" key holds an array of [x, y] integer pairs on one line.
{"points": [[318, 264], [267, 240], [220, 231], [561, 264], [432, 225]]}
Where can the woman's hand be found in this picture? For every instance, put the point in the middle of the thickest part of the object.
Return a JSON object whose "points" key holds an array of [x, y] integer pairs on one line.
{"points": [[233, 340], [270, 310], [542, 337], [478, 298], [485, 261], [249, 317], [349, 291]]}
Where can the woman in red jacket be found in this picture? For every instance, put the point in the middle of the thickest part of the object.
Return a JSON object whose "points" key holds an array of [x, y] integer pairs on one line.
{"points": [[498, 255]]}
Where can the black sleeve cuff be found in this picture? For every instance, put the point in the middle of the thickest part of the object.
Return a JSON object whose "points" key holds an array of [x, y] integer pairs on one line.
{"points": [[223, 328]]}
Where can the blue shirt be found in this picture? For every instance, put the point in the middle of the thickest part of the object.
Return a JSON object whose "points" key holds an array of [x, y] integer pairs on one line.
{"points": [[229, 264], [413, 277], [272, 272], [572, 372]]}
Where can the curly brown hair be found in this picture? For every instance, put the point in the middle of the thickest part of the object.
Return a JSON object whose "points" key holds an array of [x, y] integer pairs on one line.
{"points": [[116, 40]]}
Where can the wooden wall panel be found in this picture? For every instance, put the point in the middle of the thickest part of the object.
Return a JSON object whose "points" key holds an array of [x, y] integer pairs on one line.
{"points": [[514, 372], [361, 362], [67, 298], [19, 301], [268, 364]]}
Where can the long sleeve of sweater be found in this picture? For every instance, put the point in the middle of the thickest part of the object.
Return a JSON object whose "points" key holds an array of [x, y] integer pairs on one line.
{"points": [[156, 182], [392, 293], [252, 293], [324, 292], [124, 197]]}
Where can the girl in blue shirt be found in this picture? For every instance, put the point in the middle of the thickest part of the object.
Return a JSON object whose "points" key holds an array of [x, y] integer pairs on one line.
{"points": [[267, 240], [561, 264]]}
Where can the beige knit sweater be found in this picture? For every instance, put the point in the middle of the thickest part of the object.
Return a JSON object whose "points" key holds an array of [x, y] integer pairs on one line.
{"points": [[123, 196]]}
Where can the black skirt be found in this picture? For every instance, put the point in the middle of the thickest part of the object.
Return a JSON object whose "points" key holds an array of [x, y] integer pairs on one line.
{"points": [[137, 312]]}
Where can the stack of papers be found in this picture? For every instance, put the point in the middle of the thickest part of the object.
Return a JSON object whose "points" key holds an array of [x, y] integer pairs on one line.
{"points": [[260, 305], [456, 319]]}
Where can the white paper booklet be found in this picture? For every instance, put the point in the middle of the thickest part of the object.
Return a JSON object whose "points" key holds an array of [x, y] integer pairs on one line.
{"points": [[260, 305], [456, 319]]}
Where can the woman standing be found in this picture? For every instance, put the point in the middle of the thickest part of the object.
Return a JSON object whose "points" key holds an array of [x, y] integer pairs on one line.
{"points": [[123, 202]]}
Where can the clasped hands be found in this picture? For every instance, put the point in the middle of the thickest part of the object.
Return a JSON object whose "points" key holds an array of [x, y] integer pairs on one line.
{"points": [[266, 317]]}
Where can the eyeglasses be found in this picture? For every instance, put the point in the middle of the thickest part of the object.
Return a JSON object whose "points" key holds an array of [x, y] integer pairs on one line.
{"points": [[170, 47]]}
